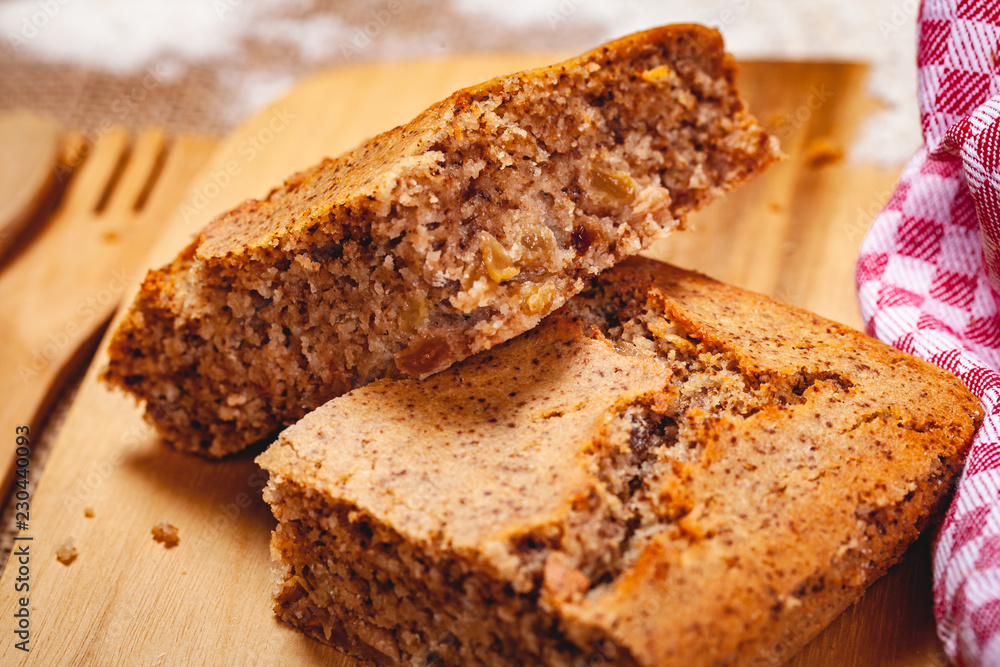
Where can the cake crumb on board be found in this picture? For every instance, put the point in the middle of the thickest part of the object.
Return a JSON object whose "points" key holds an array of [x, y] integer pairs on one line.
{"points": [[822, 151], [166, 534], [66, 553]]}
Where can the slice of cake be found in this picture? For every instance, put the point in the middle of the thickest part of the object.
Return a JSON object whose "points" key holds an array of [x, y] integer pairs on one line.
{"points": [[667, 471], [436, 239]]}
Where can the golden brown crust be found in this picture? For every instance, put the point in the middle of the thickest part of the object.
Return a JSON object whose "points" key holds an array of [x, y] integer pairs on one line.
{"points": [[667, 471], [350, 179], [435, 240]]}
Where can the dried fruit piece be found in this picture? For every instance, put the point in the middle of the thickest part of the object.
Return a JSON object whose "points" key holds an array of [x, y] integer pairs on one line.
{"points": [[538, 246], [538, 299], [499, 265], [660, 72], [583, 238], [423, 356], [614, 185], [473, 272], [414, 312]]}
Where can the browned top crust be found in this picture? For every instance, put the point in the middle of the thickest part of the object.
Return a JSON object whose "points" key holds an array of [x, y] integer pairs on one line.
{"points": [[372, 169], [675, 464]]}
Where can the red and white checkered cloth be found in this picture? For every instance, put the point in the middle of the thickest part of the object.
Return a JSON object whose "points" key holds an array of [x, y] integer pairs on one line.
{"points": [[928, 281]]}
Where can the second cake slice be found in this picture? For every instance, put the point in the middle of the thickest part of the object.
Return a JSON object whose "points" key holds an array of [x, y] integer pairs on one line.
{"points": [[667, 471]]}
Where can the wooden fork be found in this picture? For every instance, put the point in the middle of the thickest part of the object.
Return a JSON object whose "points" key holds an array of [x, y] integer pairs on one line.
{"points": [[30, 145], [59, 293]]}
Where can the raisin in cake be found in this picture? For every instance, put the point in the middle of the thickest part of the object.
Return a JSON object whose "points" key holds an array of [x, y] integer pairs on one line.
{"points": [[667, 471], [436, 239]]}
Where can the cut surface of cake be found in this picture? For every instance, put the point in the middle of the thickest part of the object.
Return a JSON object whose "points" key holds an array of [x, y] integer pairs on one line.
{"points": [[666, 471], [434, 240]]}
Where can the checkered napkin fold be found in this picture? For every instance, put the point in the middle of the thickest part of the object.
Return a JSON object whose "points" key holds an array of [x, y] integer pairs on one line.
{"points": [[928, 280]]}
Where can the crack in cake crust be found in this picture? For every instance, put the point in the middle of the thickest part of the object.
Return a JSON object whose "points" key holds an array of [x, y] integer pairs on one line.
{"points": [[437, 239], [666, 471]]}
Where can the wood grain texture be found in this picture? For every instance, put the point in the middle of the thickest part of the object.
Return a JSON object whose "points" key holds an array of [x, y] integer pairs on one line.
{"points": [[27, 168], [59, 292], [792, 233]]}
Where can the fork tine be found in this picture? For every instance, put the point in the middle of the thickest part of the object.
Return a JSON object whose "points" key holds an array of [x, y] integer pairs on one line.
{"points": [[140, 169], [92, 178], [73, 150], [183, 158], [187, 155]]}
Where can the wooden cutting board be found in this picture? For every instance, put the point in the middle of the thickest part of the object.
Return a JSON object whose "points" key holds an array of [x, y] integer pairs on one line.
{"points": [[126, 599]]}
